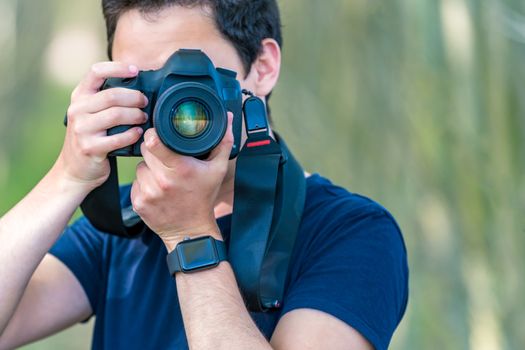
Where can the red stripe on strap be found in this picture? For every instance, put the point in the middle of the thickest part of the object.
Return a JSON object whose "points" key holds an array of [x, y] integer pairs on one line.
{"points": [[258, 143]]}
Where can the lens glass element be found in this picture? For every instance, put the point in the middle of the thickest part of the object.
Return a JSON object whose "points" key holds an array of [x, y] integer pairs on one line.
{"points": [[190, 118]]}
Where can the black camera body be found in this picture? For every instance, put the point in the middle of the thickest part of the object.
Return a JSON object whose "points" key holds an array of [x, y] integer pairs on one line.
{"points": [[188, 103]]}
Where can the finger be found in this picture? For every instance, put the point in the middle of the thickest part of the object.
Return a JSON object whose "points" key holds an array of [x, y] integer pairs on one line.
{"points": [[135, 197], [106, 144], [112, 117], [115, 97], [141, 173], [150, 190], [157, 149], [151, 160], [101, 71], [224, 148]]}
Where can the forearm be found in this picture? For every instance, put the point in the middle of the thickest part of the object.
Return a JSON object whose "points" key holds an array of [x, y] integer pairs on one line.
{"points": [[213, 310], [28, 231], [214, 313]]}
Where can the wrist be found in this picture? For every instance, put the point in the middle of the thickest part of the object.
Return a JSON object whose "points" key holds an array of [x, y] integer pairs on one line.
{"points": [[174, 237], [68, 184]]}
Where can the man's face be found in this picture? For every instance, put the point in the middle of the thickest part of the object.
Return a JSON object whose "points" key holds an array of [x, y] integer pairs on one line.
{"points": [[147, 41]]}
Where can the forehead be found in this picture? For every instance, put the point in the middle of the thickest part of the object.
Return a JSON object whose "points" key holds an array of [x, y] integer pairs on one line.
{"points": [[147, 40]]}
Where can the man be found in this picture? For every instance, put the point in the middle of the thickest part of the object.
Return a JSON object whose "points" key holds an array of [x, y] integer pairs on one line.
{"points": [[347, 284]]}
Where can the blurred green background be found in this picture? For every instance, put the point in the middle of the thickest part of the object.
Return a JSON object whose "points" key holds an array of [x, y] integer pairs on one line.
{"points": [[419, 104]]}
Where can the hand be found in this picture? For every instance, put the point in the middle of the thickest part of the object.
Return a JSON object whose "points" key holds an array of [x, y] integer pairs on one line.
{"points": [[174, 194], [83, 159]]}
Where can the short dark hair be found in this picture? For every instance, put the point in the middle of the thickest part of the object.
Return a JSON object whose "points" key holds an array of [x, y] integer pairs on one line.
{"points": [[245, 23]]}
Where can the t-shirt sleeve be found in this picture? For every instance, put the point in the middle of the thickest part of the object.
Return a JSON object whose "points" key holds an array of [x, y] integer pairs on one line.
{"points": [[355, 270], [81, 249]]}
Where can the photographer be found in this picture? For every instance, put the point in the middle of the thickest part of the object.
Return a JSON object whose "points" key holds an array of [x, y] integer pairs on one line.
{"points": [[347, 282]]}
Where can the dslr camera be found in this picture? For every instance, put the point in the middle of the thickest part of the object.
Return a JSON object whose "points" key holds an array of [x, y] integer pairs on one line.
{"points": [[188, 103]]}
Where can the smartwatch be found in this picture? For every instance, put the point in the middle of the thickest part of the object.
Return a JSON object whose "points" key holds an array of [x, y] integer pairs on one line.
{"points": [[196, 254]]}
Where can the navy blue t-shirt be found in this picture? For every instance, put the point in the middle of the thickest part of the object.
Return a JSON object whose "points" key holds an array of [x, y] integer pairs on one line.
{"points": [[349, 261]]}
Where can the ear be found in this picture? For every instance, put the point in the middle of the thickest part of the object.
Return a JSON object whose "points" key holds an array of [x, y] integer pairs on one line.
{"points": [[266, 68]]}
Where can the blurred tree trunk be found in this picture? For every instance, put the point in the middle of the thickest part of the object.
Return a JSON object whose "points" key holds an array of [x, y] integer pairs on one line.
{"points": [[21, 62], [420, 104]]}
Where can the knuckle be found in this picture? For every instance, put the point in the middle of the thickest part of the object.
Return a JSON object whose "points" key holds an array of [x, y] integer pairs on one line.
{"points": [[138, 204], [76, 128], [95, 69], [150, 195], [152, 142], [164, 183], [112, 96], [113, 115], [74, 94], [129, 117], [139, 116], [228, 141], [132, 135], [118, 141], [139, 98], [71, 113], [85, 149], [140, 167], [220, 169]]}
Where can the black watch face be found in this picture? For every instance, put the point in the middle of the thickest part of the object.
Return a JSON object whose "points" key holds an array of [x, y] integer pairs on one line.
{"points": [[197, 254]]}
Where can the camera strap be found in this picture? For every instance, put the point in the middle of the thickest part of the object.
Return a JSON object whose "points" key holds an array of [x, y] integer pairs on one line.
{"points": [[269, 199], [103, 209], [267, 209]]}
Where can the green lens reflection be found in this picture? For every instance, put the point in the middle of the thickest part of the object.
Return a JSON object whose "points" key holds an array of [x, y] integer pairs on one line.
{"points": [[190, 119]]}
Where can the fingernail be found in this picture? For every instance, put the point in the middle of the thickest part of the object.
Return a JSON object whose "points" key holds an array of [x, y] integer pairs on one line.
{"points": [[145, 116], [133, 69], [146, 101], [139, 131]]}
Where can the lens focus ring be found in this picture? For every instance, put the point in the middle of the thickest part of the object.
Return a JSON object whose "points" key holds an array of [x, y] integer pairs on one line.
{"points": [[190, 118]]}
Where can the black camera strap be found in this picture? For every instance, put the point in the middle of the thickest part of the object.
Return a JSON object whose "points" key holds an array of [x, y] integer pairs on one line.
{"points": [[268, 204], [102, 208], [267, 209]]}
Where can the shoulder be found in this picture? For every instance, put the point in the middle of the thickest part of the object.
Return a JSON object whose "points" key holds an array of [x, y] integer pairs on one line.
{"points": [[349, 261], [334, 213]]}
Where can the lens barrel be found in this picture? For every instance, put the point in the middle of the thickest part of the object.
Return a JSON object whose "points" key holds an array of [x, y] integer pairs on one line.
{"points": [[190, 118]]}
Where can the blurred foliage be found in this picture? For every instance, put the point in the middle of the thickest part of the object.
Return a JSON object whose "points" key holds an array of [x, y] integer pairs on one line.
{"points": [[418, 104]]}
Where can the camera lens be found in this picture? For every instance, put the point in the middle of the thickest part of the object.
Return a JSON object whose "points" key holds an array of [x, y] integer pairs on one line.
{"points": [[190, 118]]}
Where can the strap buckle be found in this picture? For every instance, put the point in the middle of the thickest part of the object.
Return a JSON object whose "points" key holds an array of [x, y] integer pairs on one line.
{"points": [[255, 117]]}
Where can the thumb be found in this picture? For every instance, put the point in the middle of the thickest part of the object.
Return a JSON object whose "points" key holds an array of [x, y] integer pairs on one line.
{"points": [[224, 148]]}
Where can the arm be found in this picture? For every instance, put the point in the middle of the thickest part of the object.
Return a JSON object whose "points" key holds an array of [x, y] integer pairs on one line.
{"points": [[214, 313], [53, 300], [29, 230], [212, 307], [215, 317], [26, 234]]}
